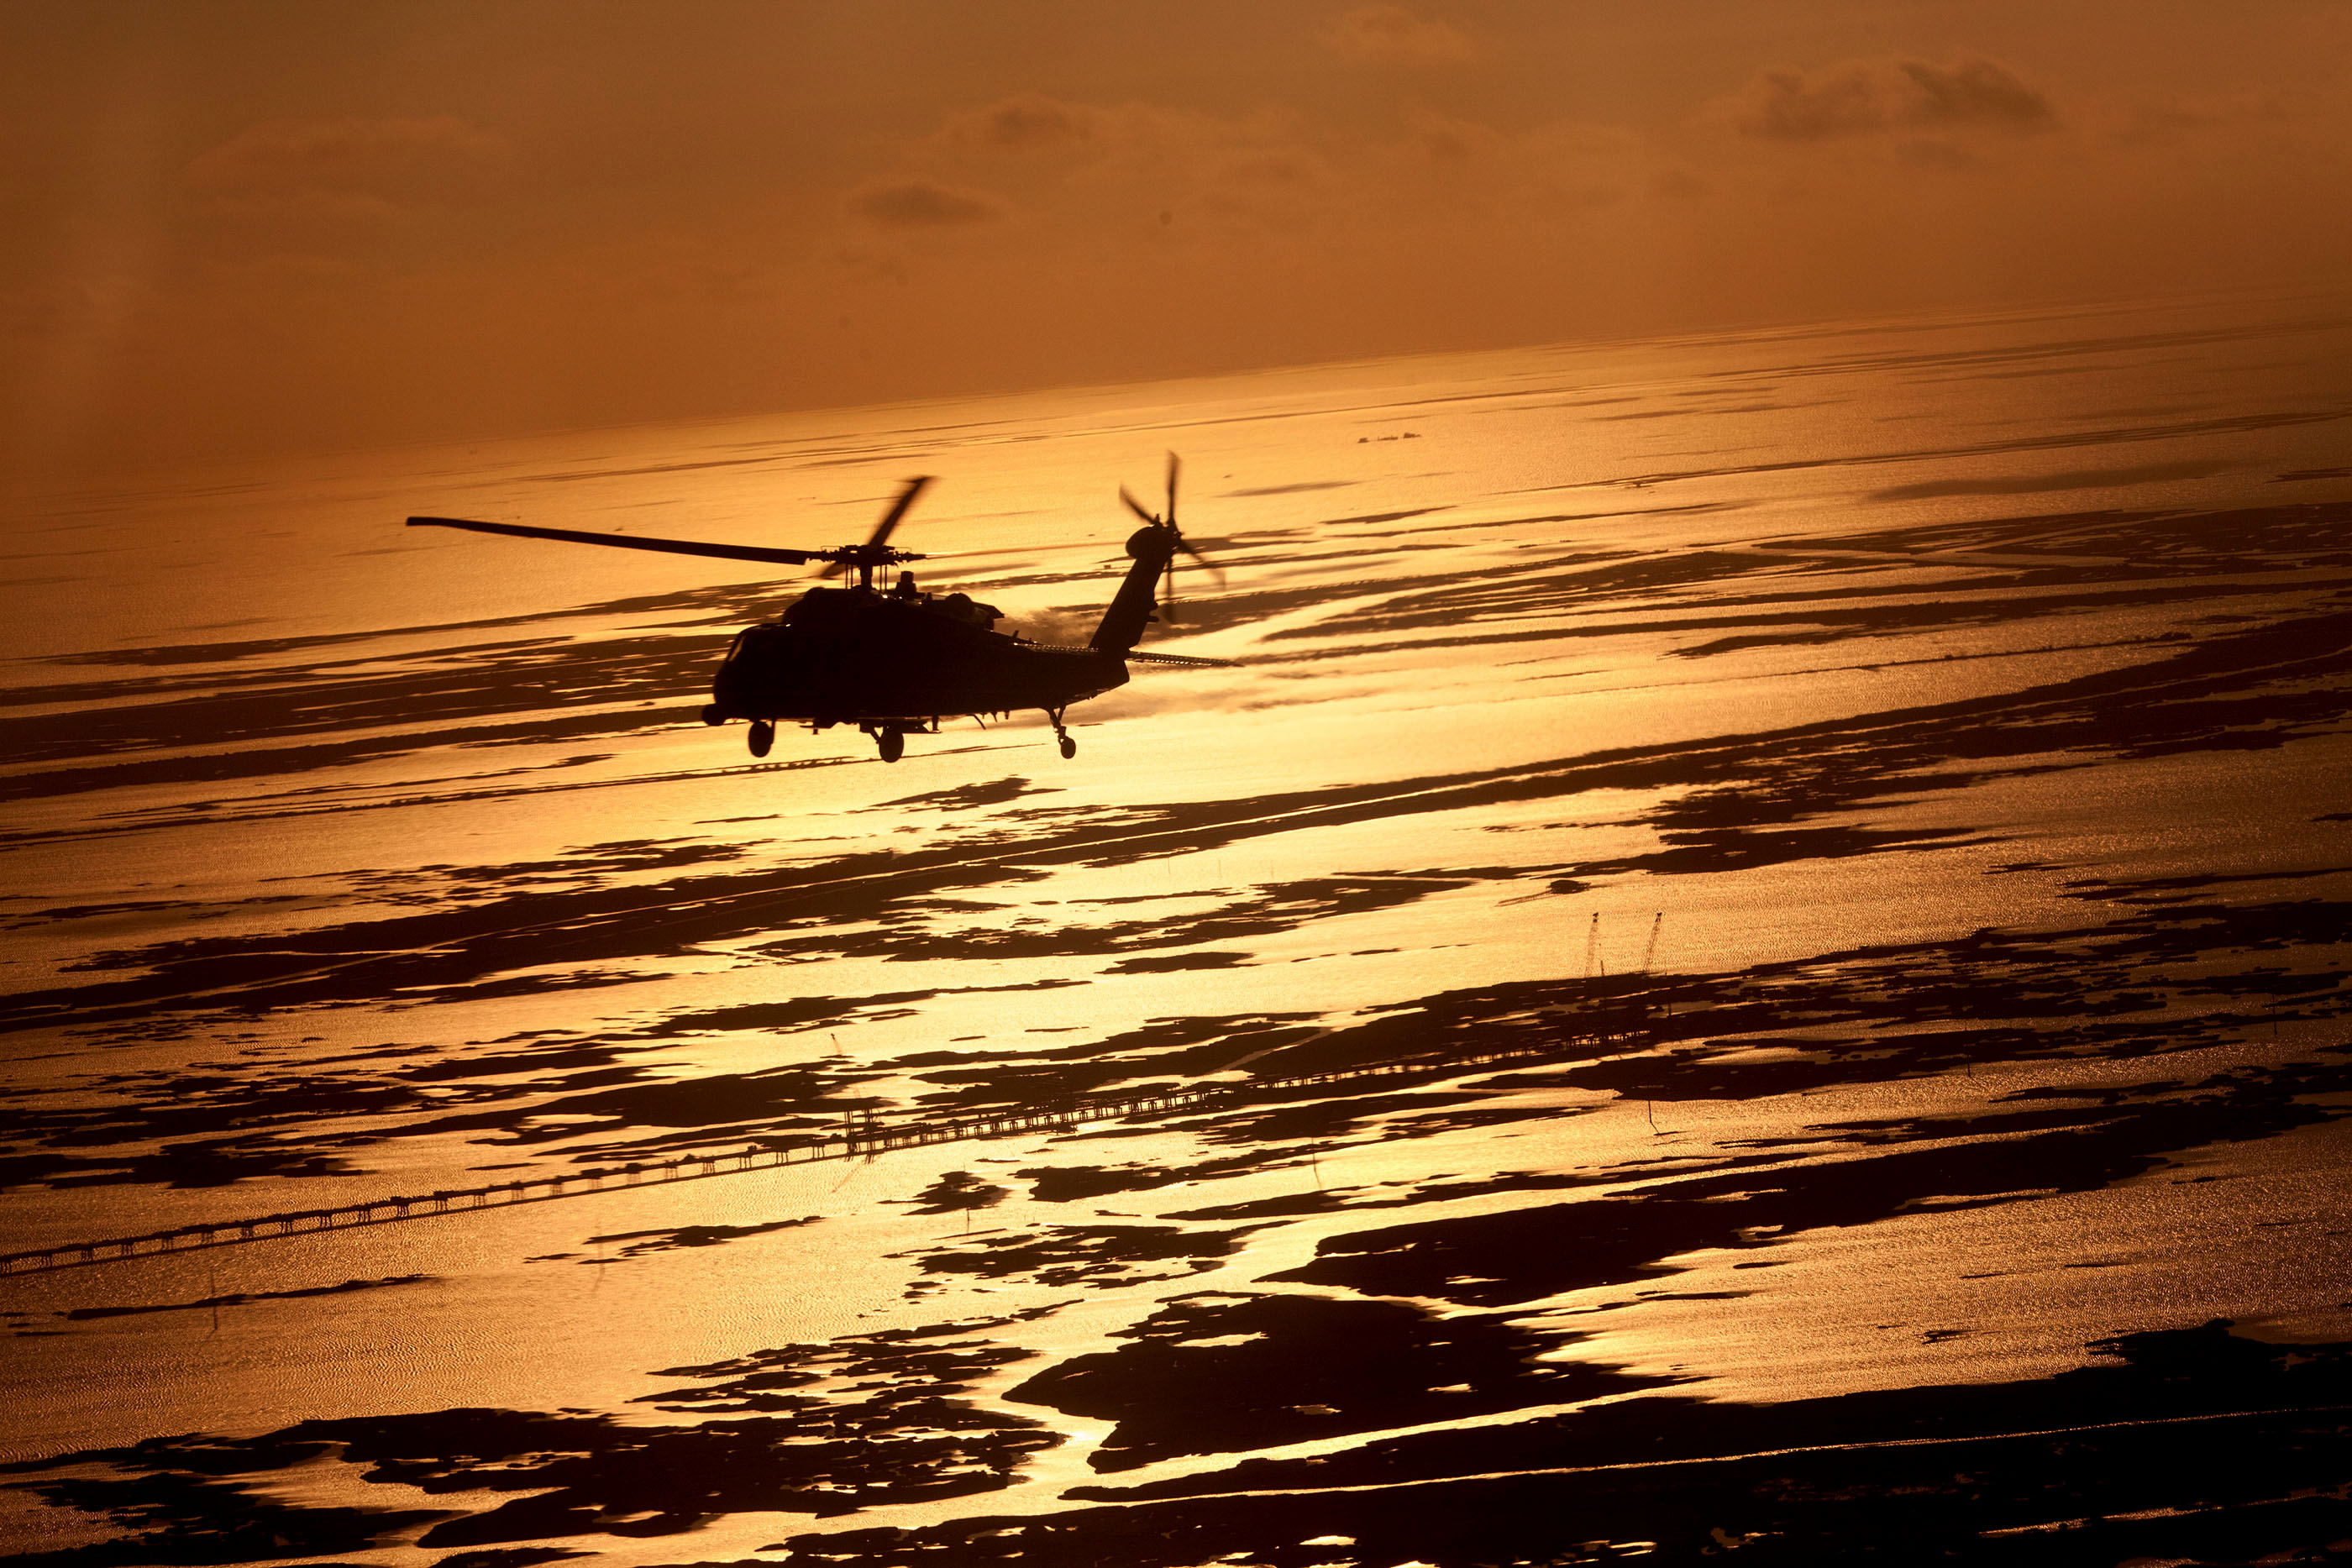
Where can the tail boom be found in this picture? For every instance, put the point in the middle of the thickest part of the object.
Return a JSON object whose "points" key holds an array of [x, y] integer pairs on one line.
{"points": [[1131, 607]]}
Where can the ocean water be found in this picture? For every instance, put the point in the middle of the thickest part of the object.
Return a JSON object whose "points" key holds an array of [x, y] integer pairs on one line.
{"points": [[1936, 726]]}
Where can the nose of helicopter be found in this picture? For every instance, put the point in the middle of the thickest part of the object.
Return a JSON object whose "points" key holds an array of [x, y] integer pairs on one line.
{"points": [[727, 693], [738, 688]]}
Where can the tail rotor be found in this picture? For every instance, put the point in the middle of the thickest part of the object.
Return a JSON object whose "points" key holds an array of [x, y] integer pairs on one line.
{"points": [[1175, 539]]}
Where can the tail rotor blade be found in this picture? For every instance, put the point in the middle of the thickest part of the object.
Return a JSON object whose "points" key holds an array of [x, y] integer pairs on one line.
{"points": [[1168, 591], [1215, 570], [1136, 507], [1171, 490]]}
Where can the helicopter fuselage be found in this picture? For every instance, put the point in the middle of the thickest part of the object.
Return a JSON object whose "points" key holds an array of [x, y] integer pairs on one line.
{"points": [[856, 655]]}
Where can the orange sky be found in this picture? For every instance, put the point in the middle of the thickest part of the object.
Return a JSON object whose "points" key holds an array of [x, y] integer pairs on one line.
{"points": [[239, 229]]}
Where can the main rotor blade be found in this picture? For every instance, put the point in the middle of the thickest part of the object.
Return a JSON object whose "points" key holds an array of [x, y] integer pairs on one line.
{"points": [[624, 541], [1136, 507], [898, 509]]}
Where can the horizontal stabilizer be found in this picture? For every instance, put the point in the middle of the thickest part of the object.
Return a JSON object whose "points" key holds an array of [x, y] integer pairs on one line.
{"points": [[1183, 661], [1178, 661]]}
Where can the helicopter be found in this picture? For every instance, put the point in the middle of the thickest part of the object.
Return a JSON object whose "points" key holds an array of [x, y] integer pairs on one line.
{"points": [[895, 663]]}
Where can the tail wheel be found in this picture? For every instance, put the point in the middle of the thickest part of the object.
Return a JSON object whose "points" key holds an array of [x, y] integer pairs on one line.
{"points": [[1069, 746], [893, 745], [763, 737]]}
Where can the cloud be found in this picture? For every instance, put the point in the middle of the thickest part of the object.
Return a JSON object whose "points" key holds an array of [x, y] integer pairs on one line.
{"points": [[1179, 182], [1097, 169], [1029, 123], [1392, 35], [1272, 189], [1868, 98], [1933, 152], [923, 205], [2174, 117], [1557, 168], [80, 307], [340, 188], [389, 163]]}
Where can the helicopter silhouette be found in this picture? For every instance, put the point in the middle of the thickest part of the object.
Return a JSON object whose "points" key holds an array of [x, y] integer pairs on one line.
{"points": [[894, 663]]}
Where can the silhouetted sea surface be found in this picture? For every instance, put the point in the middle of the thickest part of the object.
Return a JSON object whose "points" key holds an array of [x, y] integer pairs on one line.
{"points": [[1936, 728]]}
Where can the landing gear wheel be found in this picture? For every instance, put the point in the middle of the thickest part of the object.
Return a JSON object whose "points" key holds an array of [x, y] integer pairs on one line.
{"points": [[892, 743], [711, 716], [762, 735], [1069, 746]]}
